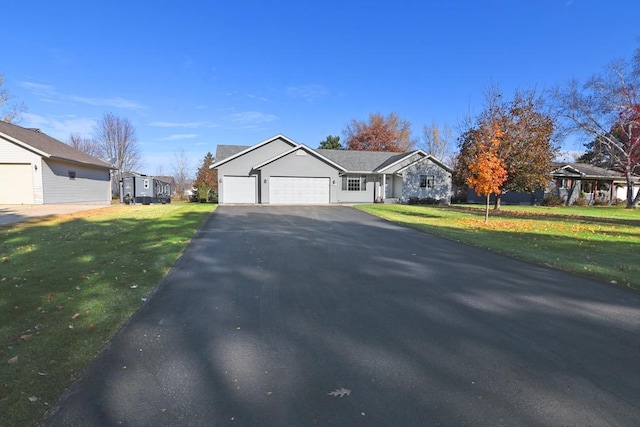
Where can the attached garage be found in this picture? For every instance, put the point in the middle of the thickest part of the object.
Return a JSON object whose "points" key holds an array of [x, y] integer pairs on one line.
{"points": [[299, 190], [239, 189], [16, 184]]}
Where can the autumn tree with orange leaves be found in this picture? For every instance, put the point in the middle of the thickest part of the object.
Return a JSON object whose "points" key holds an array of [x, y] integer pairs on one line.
{"points": [[487, 170], [525, 146], [380, 133]]}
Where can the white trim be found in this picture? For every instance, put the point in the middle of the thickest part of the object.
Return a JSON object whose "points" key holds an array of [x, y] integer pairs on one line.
{"points": [[403, 158], [253, 147], [429, 157]]}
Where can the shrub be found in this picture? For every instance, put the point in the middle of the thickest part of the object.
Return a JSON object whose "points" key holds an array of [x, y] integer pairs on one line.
{"points": [[580, 201], [600, 202], [552, 200]]}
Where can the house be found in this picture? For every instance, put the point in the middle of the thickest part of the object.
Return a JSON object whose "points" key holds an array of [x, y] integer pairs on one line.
{"points": [[281, 171], [571, 181], [37, 169], [139, 188]]}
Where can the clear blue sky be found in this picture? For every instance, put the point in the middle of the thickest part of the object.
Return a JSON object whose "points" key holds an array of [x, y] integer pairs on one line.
{"points": [[193, 74]]}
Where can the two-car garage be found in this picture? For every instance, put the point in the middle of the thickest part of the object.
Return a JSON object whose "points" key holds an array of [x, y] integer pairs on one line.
{"points": [[281, 189]]}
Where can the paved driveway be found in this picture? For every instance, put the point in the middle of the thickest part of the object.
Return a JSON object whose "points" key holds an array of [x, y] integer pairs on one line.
{"points": [[272, 308]]}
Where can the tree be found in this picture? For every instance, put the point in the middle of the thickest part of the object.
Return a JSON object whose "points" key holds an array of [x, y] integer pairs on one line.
{"points": [[180, 167], [117, 139], [86, 145], [206, 179], [526, 146], [390, 133], [9, 112], [487, 171], [606, 108], [437, 141], [331, 143]]}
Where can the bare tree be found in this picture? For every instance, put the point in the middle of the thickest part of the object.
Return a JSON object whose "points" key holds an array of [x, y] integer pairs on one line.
{"points": [[607, 109], [86, 145], [9, 112], [180, 167], [117, 139], [437, 141]]}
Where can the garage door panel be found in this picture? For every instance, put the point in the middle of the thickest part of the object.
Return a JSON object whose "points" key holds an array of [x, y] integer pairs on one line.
{"points": [[16, 184], [299, 190], [239, 189]]}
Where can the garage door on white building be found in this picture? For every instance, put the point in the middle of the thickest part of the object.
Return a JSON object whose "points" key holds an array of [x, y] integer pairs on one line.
{"points": [[16, 184], [298, 190], [239, 189]]}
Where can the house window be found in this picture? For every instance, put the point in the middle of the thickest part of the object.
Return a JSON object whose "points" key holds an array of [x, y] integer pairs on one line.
{"points": [[427, 181], [72, 174], [145, 184], [564, 183], [354, 183]]}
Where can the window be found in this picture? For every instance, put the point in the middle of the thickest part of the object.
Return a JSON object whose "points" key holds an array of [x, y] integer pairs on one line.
{"points": [[72, 174], [145, 184], [354, 183], [427, 181]]}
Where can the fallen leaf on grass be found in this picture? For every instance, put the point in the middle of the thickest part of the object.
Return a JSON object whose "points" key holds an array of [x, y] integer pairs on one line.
{"points": [[75, 316], [340, 392], [90, 327], [13, 360], [33, 399], [26, 337]]}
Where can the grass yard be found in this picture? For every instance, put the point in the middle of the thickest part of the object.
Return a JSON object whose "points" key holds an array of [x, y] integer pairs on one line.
{"points": [[68, 284], [600, 242]]}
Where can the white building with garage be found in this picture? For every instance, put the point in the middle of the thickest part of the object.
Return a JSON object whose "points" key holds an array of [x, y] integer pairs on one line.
{"points": [[37, 169]]}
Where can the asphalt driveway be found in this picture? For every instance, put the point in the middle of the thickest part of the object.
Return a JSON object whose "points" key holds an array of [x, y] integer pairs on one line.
{"points": [[272, 308]]}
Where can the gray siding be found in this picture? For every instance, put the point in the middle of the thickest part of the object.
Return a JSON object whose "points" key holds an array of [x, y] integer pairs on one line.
{"points": [[91, 185], [297, 165], [243, 165], [358, 196], [411, 182]]}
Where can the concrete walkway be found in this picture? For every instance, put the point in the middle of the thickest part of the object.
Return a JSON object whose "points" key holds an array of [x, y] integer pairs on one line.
{"points": [[10, 214]]}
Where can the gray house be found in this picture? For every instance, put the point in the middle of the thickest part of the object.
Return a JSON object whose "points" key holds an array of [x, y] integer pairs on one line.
{"points": [[37, 169], [574, 180], [281, 171]]}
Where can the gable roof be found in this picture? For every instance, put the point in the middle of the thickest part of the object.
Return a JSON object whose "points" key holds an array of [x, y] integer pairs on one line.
{"points": [[219, 162], [359, 161], [226, 151], [311, 151], [46, 146], [584, 170]]}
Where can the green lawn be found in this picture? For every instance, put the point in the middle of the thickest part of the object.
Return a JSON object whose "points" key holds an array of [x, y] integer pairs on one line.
{"points": [[600, 242], [68, 284]]}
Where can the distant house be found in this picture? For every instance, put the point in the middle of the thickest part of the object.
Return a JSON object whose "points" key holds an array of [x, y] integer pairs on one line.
{"points": [[574, 180], [38, 169], [570, 181], [281, 171], [140, 188]]}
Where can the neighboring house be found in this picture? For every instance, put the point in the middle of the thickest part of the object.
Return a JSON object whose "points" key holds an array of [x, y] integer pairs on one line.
{"points": [[281, 171], [570, 181], [140, 188], [574, 180], [38, 169]]}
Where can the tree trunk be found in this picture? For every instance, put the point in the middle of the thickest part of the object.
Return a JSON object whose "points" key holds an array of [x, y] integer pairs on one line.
{"points": [[486, 211], [632, 202], [498, 203]]}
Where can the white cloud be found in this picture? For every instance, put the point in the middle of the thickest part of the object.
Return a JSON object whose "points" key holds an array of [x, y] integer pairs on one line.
{"points": [[179, 136], [192, 125], [51, 95], [251, 117], [59, 127], [308, 92]]}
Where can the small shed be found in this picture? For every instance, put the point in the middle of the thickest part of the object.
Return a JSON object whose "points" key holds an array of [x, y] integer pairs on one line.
{"points": [[139, 188]]}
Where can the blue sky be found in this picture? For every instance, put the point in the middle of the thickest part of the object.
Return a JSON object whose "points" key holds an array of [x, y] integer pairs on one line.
{"points": [[193, 74]]}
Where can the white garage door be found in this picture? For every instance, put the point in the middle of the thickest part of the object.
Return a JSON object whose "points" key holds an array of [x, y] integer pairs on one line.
{"points": [[239, 189], [298, 190], [16, 184]]}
